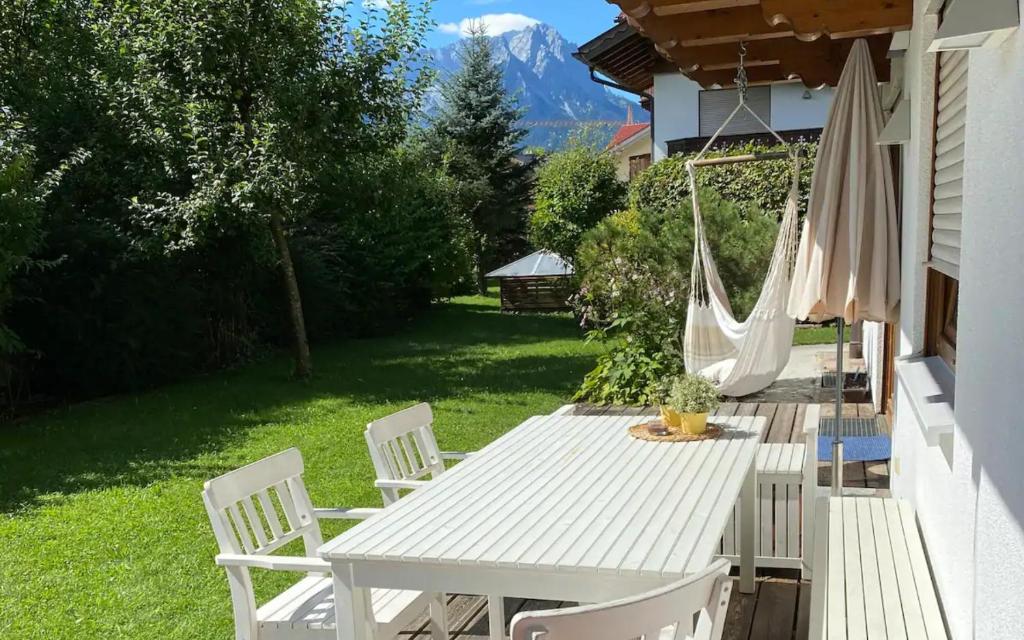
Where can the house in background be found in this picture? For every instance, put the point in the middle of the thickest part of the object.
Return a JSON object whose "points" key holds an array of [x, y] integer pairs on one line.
{"points": [[686, 110], [631, 148]]}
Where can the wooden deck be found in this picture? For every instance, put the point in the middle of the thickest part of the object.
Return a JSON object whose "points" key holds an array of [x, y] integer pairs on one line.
{"points": [[777, 610]]}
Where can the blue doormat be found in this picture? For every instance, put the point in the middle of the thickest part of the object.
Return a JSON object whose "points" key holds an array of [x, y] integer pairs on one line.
{"points": [[857, 448]]}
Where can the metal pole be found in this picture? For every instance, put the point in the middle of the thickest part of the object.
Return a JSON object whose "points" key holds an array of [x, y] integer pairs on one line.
{"points": [[837, 441]]}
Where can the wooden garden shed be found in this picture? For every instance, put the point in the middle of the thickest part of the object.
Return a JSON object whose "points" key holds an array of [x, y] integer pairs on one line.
{"points": [[542, 281]]}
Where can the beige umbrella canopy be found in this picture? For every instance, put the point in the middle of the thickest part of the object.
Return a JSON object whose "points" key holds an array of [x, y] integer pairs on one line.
{"points": [[847, 264]]}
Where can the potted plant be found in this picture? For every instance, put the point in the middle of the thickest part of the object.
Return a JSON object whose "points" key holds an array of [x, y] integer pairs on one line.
{"points": [[691, 398]]}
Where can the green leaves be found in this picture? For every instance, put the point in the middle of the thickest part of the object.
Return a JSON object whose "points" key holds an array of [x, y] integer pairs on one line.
{"points": [[575, 189], [665, 184], [635, 269]]}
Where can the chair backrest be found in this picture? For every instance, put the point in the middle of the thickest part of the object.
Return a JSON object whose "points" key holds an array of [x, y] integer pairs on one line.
{"points": [[256, 510], [402, 447], [694, 607], [246, 506]]}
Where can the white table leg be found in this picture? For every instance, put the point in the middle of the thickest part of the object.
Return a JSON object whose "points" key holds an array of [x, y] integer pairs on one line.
{"points": [[349, 605], [438, 616], [496, 617], [748, 528]]}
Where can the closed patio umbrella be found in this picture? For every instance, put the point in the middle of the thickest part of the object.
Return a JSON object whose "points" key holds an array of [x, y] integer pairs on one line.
{"points": [[847, 263]]}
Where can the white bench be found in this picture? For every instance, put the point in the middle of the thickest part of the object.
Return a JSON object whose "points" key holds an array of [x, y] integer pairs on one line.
{"points": [[871, 577], [787, 478]]}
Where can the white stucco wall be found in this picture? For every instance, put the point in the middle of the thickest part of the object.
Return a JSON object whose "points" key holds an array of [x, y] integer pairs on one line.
{"points": [[677, 116], [638, 147], [970, 495], [676, 112], [790, 110]]}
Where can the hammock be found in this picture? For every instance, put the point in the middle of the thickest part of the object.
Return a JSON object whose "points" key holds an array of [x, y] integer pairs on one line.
{"points": [[740, 358]]}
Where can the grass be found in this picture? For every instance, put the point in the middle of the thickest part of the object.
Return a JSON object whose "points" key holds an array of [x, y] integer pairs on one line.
{"points": [[103, 531], [818, 335]]}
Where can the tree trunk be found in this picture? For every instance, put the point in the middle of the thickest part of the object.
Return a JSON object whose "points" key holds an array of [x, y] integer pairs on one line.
{"points": [[303, 362], [481, 281]]}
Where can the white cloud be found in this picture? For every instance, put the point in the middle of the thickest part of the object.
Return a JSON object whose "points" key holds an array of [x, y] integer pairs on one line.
{"points": [[495, 23], [376, 4]]}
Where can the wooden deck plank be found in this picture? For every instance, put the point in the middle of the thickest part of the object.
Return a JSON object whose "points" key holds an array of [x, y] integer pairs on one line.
{"points": [[798, 423], [775, 612], [781, 428], [803, 612], [741, 613]]}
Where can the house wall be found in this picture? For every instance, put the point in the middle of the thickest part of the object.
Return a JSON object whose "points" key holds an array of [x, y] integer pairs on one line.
{"points": [[969, 492], [677, 116], [638, 147], [675, 111], [790, 110]]}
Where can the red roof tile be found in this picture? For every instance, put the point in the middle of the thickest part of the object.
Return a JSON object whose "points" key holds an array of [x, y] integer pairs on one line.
{"points": [[626, 132]]}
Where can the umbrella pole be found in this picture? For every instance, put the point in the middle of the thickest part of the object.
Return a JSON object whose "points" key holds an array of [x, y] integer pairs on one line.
{"points": [[837, 440]]}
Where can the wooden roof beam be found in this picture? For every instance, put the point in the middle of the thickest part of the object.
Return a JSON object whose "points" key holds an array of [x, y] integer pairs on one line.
{"points": [[739, 20]]}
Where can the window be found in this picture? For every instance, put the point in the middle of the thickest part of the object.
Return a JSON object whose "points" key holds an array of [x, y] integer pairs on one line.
{"points": [[940, 324], [716, 105], [947, 206], [948, 175], [638, 164]]}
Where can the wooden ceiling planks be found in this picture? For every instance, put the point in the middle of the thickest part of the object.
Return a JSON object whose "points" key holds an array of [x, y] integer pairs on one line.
{"points": [[786, 39]]}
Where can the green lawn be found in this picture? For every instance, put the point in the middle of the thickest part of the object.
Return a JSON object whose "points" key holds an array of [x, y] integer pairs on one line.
{"points": [[103, 530], [818, 335]]}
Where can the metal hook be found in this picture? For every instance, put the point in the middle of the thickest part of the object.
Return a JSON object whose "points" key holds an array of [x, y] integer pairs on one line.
{"points": [[741, 74]]}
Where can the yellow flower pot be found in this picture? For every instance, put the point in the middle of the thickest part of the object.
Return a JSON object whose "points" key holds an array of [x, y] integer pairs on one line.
{"points": [[670, 417], [694, 423]]}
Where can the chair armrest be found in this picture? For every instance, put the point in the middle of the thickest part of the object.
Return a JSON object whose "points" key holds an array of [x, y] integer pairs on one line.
{"points": [[273, 563], [345, 514], [456, 455], [400, 484]]}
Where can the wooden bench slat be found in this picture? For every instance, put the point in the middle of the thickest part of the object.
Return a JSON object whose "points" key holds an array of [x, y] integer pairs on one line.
{"points": [[871, 576], [856, 623], [925, 590], [873, 610]]}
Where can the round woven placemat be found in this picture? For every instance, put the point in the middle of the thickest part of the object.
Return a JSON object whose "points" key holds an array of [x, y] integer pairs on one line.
{"points": [[675, 434]]}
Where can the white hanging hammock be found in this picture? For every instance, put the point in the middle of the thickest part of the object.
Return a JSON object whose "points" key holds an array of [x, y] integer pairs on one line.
{"points": [[740, 358]]}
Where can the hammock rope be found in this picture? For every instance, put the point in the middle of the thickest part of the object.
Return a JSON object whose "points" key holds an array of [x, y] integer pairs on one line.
{"points": [[740, 357]]}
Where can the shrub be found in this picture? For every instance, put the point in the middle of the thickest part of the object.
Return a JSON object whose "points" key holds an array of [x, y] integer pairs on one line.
{"points": [[665, 184], [576, 189], [635, 270]]}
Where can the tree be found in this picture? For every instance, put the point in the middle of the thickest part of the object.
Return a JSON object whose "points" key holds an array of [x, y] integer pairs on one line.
{"points": [[575, 190], [251, 104], [477, 135]]}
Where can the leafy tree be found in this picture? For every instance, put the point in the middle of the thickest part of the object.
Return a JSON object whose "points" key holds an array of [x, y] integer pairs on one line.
{"points": [[575, 190], [251, 105], [478, 138]]}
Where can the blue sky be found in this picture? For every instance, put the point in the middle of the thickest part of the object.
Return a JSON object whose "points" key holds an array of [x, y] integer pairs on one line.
{"points": [[577, 20]]}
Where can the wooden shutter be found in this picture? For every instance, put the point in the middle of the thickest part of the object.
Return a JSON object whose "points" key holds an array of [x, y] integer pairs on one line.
{"points": [[948, 180], [717, 104]]}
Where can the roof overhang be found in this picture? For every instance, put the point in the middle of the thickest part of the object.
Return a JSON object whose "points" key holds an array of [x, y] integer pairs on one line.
{"points": [[622, 55], [786, 39]]}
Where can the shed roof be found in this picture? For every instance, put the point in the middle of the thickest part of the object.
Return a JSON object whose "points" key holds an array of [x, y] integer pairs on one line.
{"points": [[537, 264]]}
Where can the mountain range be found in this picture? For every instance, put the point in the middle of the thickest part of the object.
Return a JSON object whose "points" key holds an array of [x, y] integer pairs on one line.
{"points": [[554, 88]]}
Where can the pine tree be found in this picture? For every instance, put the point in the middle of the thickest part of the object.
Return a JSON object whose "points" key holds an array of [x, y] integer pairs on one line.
{"points": [[476, 130]]}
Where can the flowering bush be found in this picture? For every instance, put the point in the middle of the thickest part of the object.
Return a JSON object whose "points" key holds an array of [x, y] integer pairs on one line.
{"points": [[634, 286]]}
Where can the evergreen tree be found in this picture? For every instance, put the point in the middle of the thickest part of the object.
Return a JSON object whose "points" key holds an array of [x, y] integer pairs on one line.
{"points": [[476, 130]]}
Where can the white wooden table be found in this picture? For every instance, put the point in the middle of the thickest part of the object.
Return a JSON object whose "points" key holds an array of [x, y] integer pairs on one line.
{"points": [[560, 508]]}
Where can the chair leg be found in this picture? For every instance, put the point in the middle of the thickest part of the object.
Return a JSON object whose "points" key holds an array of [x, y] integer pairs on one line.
{"points": [[438, 616]]}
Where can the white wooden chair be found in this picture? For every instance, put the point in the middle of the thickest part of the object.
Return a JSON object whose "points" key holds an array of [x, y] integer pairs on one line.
{"points": [[404, 451], [694, 607], [262, 507]]}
